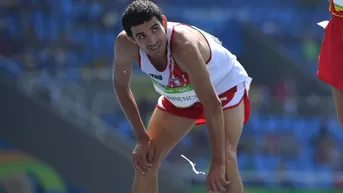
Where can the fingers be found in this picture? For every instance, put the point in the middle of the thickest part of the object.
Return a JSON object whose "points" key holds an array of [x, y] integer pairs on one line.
{"points": [[145, 165], [226, 182], [217, 185], [220, 185], [141, 163], [211, 187], [151, 154], [137, 163]]}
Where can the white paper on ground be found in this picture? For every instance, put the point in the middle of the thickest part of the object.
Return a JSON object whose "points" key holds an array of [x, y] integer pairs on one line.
{"points": [[193, 165]]}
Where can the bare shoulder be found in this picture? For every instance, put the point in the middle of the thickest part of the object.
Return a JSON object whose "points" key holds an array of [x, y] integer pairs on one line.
{"points": [[187, 48], [183, 37], [124, 48], [187, 41]]}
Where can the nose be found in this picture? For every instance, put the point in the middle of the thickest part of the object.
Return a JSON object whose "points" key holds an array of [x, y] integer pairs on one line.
{"points": [[152, 41]]}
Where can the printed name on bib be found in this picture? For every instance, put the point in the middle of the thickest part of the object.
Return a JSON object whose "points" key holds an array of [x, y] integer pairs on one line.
{"points": [[182, 98]]}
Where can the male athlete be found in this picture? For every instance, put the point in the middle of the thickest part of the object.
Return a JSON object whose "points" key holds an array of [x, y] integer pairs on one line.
{"points": [[198, 80], [330, 68]]}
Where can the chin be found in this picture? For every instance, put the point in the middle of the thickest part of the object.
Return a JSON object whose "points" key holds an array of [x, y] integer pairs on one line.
{"points": [[156, 53], [161, 51]]}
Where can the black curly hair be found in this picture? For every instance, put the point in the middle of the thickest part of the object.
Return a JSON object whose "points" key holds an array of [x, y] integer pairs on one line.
{"points": [[139, 12]]}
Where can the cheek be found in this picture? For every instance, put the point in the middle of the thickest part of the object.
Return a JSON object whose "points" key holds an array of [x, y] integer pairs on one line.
{"points": [[141, 43], [162, 35]]}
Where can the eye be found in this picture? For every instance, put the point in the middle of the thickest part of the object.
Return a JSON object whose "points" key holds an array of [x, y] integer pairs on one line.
{"points": [[155, 29], [141, 37]]}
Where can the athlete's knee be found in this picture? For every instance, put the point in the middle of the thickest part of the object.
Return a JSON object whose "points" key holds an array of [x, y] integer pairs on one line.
{"points": [[152, 172], [156, 163], [231, 152]]}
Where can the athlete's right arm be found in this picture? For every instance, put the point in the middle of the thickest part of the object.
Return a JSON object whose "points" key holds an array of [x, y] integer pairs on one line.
{"points": [[125, 53]]}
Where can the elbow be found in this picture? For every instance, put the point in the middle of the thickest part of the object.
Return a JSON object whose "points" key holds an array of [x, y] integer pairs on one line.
{"points": [[120, 88], [119, 84], [212, 105], [217, 105]]}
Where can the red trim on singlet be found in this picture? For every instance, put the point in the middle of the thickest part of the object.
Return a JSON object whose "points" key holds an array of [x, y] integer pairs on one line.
{"points": [[171, 57], [182, 77], [178, 73], [209, 59], [208, 43]]}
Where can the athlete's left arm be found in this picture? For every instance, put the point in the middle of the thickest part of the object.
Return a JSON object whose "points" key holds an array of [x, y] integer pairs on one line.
{"points": [[187, 55]]}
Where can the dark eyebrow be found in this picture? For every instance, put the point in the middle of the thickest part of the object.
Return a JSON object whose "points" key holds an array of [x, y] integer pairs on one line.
{"points": [[142, 33], [153, 26]]}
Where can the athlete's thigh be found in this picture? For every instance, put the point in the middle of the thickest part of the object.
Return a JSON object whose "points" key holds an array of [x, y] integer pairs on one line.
{"points": [[233, 120], [165, 131]]}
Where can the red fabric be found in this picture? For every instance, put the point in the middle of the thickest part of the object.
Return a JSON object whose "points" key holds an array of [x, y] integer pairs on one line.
{"points": [[330, 68], [196, 111]]}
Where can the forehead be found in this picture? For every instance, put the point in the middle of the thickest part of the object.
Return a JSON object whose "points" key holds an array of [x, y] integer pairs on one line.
{"points": [[145, 26]]}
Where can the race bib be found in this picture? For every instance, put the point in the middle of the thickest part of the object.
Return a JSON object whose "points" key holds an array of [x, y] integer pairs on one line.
{"points": [[181, 97]]}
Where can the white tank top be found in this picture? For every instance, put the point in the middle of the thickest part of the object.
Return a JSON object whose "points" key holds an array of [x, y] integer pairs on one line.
{"points": [[224, 69]]}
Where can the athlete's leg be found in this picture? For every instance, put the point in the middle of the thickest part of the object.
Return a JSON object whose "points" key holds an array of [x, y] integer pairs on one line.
{"points": [[234, 118], [165, 131], [338, 98]]}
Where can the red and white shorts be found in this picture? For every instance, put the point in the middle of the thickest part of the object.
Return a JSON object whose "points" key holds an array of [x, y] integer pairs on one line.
{"points": [[230, 99], [330, 67]]}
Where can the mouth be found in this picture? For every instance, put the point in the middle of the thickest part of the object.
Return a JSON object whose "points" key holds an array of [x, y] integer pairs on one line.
{"points": [[155, 47]]}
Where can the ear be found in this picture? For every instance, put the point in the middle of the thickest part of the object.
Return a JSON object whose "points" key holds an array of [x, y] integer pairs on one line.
{"points": [[164, 21], [131, 39]]}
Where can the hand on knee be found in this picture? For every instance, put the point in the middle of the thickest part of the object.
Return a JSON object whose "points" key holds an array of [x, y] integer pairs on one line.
{"points": [[152, 171]]}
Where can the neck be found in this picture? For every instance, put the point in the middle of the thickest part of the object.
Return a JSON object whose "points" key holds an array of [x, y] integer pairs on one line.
{"points": [[160, 56]]}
